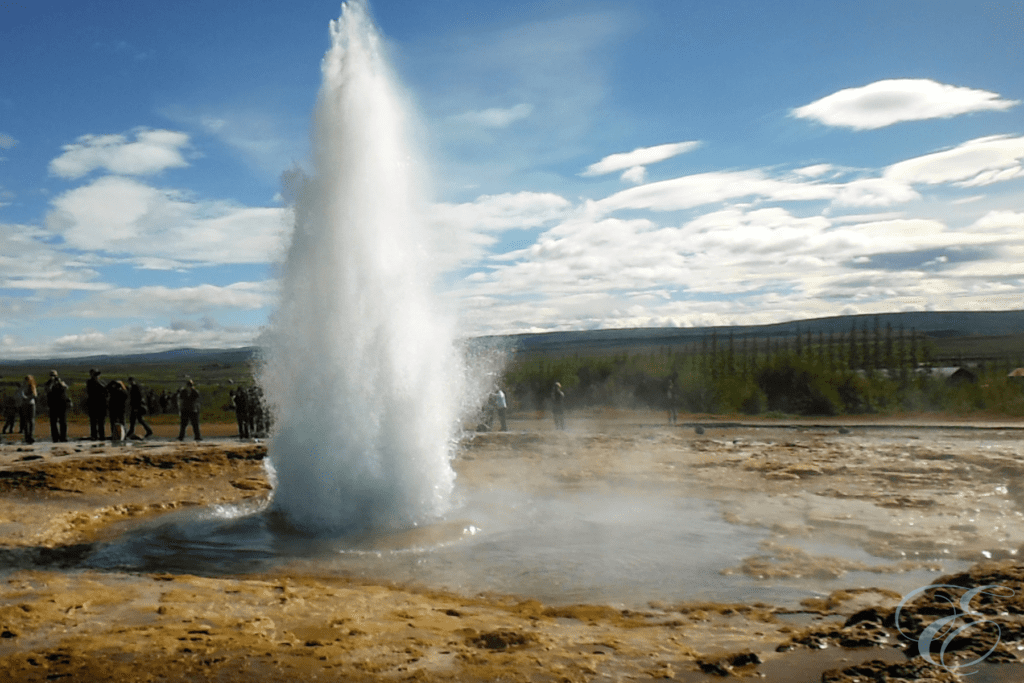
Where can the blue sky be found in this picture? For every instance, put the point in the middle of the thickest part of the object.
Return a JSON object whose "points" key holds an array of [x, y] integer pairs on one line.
{"points": [[594, 164]]}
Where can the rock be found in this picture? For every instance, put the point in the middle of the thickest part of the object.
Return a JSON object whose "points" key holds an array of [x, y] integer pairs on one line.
{"points": [[500, 640]]}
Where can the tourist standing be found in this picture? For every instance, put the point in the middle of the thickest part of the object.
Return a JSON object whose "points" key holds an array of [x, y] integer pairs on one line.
{"points": [[118, 400], [240, 402], [502, 407], [188, 407], [96, 404], [58, 401], [136, 409], [558, 405], [670, 398], [10, 408], [28, 408]]}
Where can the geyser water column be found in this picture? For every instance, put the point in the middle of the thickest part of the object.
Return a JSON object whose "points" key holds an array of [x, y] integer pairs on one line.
{"points": [[360, 367]]}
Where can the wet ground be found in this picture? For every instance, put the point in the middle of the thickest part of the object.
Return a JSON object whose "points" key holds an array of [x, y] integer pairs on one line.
{"points": [[620, 549]]}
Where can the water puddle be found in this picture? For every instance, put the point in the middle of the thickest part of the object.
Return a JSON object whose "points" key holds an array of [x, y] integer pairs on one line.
{"points": [[618, 547]]}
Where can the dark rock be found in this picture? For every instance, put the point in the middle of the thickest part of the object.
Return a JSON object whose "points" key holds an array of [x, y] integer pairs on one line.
{"points": [[500, 640]]}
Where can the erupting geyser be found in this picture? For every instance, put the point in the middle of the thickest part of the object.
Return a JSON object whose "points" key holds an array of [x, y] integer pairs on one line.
{"points": [[360, 366]]}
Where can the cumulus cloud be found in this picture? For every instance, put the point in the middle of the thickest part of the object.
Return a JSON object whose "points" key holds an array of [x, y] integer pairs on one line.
{"points": [[886, 102], [634, 162], [124, 216], [740, 263], [496, 117], [150, 152], [982, 161]]}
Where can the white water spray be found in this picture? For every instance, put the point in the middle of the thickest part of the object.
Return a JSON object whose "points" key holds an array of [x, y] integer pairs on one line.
{"points": [[360, 366]]}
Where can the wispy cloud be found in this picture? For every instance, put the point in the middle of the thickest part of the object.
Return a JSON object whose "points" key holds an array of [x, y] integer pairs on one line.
{"points": [[495, 118], [976, 162], [29, 262], [6, 141], [884, 103], [152, 151], [267, 143], [691, 191], [552, 66], [192, 300], [634, 163], [467, 230]]}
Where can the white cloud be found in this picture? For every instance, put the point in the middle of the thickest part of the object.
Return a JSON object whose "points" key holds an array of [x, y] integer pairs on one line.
{"points": [[6, 141], [709, 188], [874, 192], [635, 175], [497, 213], [866, 217], [976, 162], [191, 300], [642, 156], [28, 262], [495, 118], [742, 264], [465, 231], [1008, 222], [52, 281], [886, 102], [814, 171], [152, 151], [123, 216]]}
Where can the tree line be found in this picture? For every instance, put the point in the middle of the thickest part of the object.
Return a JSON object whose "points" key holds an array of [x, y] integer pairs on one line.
{"points": [[868, 369]]}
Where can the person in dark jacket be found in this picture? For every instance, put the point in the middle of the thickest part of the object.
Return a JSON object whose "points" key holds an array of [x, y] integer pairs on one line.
{"points": [[118, 397], [96, 404], [58, 400], [240, 402], [136, 409], [188, 407]]}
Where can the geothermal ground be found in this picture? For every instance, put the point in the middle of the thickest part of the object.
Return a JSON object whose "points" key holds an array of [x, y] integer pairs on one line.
{"points": [[839, 521]]}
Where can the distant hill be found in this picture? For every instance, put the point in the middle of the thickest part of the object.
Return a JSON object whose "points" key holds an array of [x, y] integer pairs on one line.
{"points": [[934, 324], [191, 356], [942, 326]]}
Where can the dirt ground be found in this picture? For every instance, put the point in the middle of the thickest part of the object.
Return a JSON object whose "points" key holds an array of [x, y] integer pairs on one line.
{"points": [[910, 494]]}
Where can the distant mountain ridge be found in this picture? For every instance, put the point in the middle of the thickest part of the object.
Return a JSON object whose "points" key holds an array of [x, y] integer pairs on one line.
{"points": [[936, 324], [204, 356], [932, 323]]}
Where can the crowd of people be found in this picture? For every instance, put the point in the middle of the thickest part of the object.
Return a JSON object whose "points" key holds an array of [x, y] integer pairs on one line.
{"points": [[250, 411], [123, 407], [128, 404]]}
